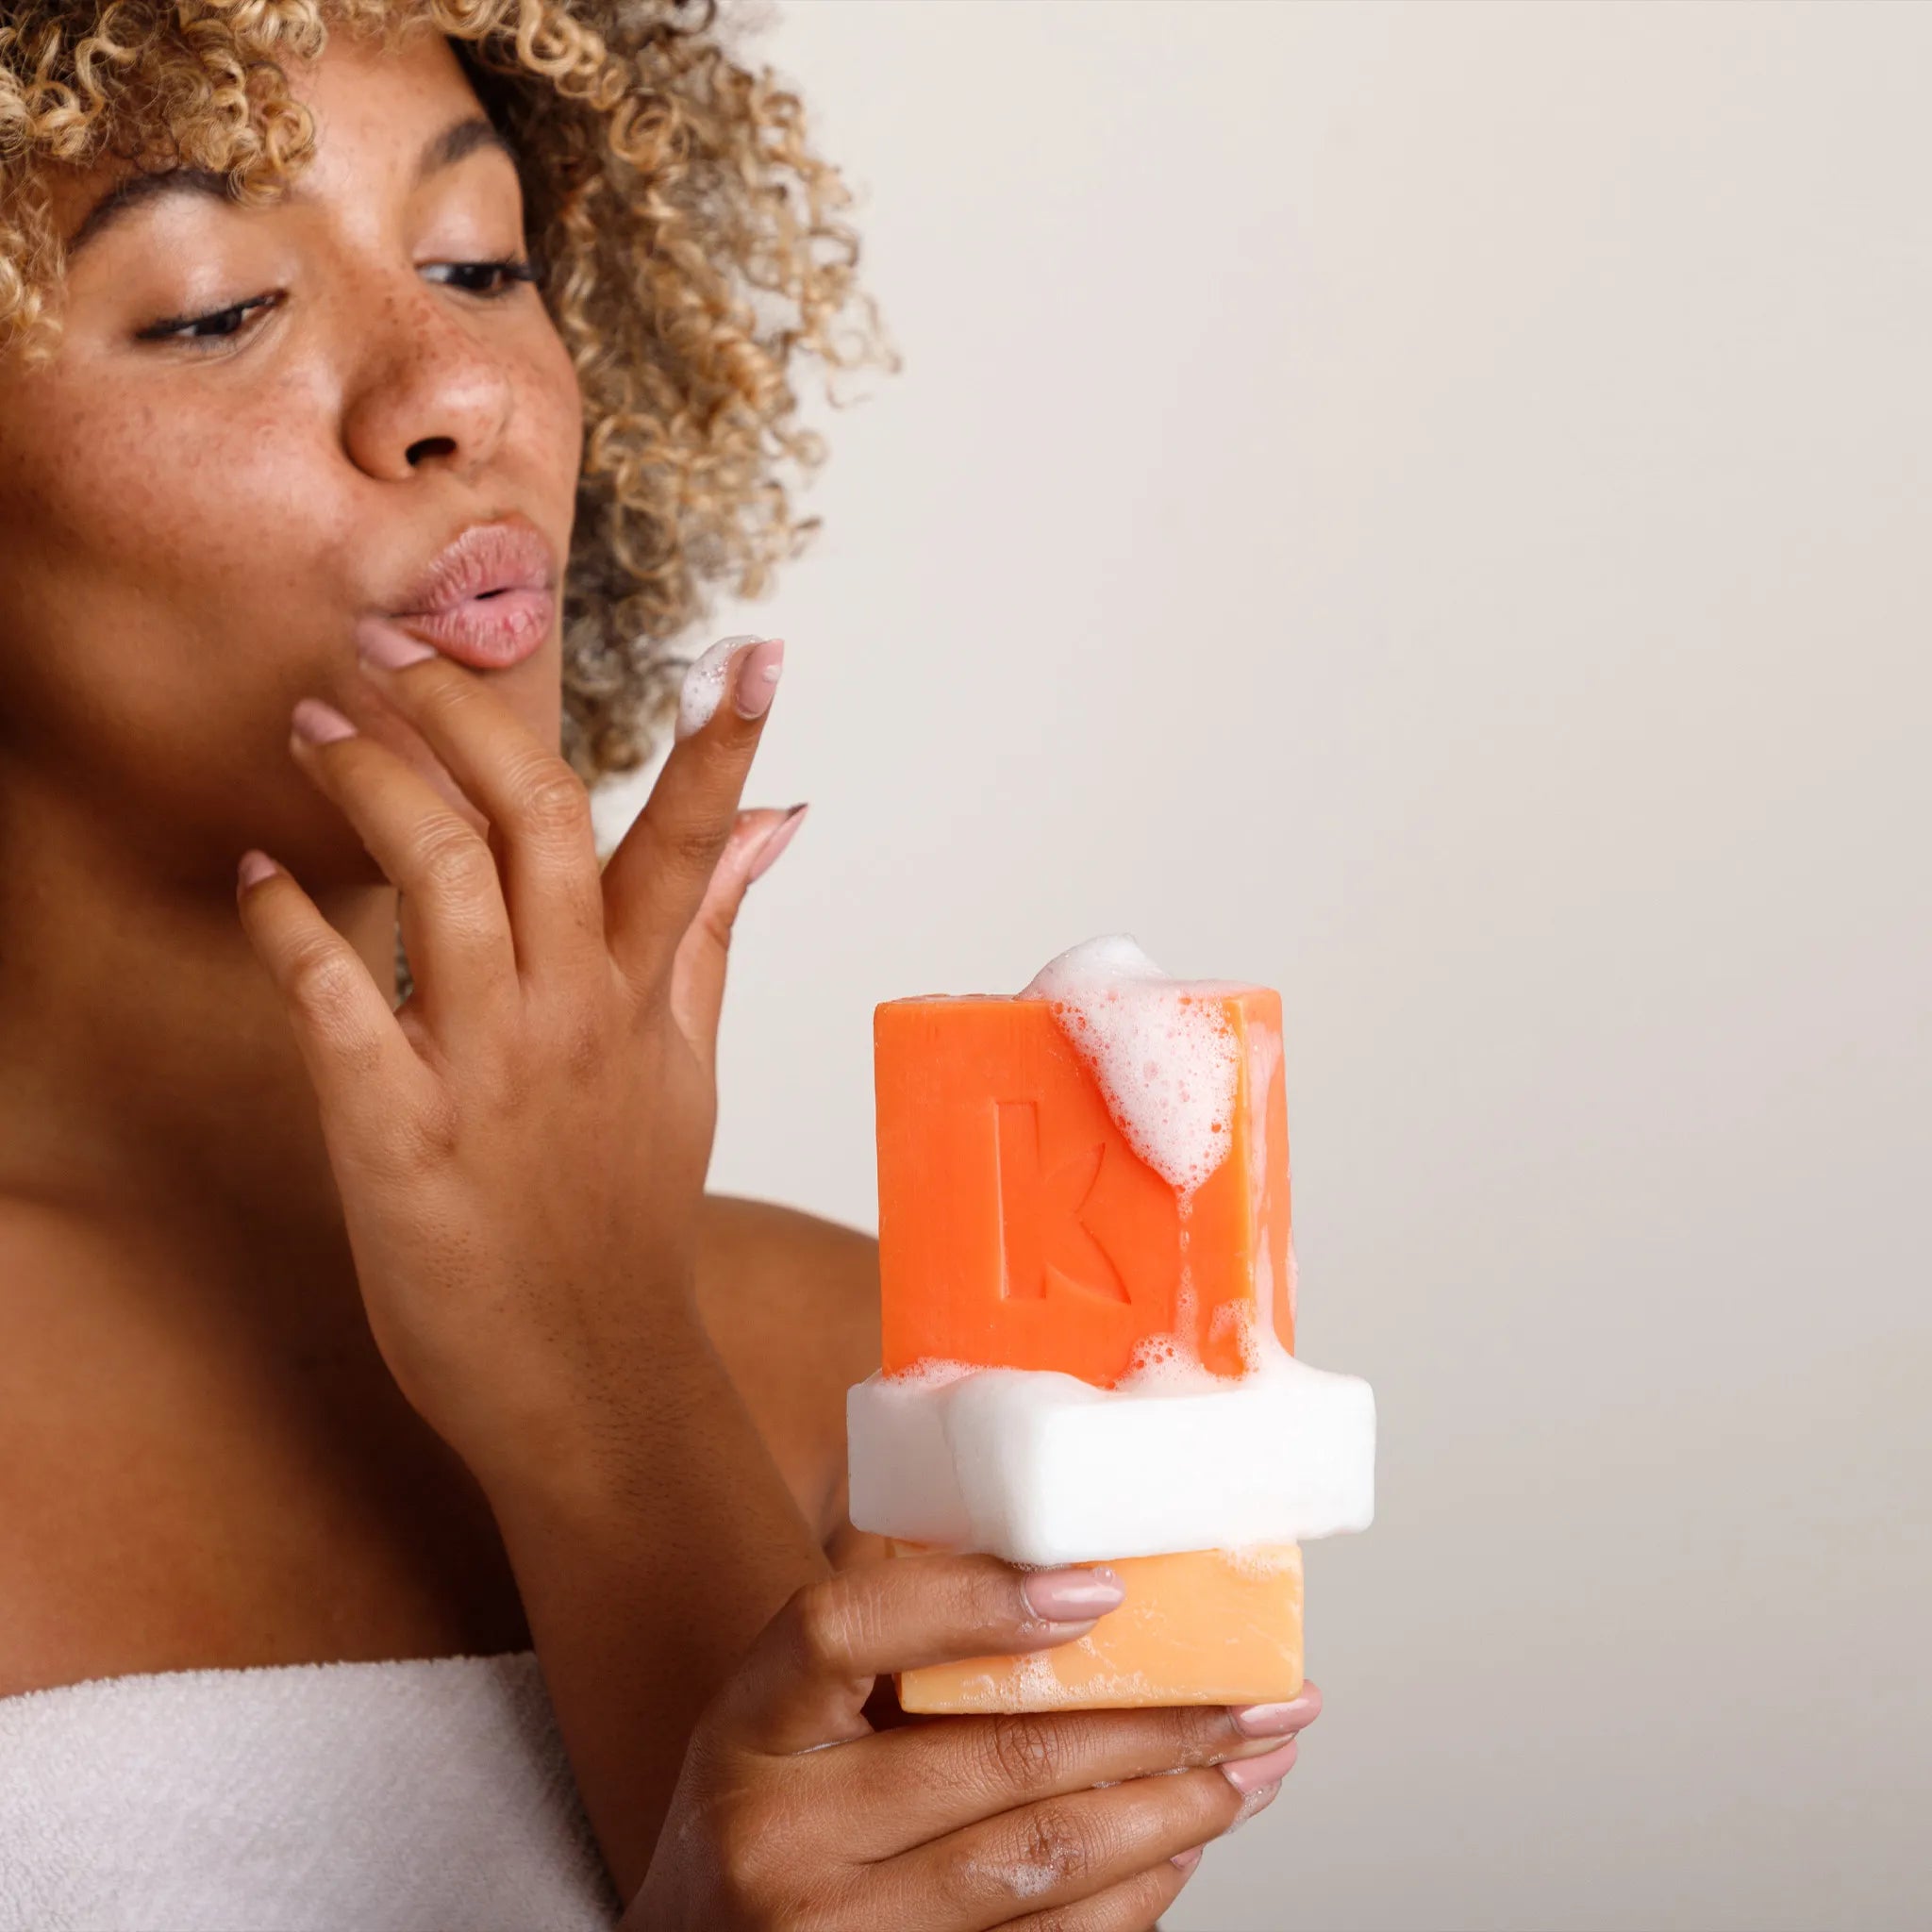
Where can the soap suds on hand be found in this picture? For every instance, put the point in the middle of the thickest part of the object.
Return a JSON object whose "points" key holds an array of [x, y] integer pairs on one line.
{"points": [[1166, 1060], [704, 684]]}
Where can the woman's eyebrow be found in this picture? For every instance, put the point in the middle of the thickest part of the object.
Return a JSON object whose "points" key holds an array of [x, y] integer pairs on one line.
{"points": [[440, 151]]}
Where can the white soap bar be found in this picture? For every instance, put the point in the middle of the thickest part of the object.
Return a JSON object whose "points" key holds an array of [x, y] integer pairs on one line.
{"points": [[1039, 1467]]}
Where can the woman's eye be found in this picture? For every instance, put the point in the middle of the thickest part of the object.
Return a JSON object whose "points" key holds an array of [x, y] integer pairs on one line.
{"points": [[224, 325], [509, 274], [220, 325]]}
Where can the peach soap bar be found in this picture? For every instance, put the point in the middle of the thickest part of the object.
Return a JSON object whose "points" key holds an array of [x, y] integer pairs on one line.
{"points": [[1201, 1626], [1019, 1228]]}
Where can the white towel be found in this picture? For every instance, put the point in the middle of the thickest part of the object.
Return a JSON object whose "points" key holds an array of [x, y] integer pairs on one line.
{"points": [[424, 1795]]}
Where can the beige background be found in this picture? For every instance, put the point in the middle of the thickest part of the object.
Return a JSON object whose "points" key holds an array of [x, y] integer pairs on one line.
{"points": [[1426, 507]]}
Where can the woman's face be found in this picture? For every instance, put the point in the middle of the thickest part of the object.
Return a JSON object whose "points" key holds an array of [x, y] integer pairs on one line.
{"points": [[190, 528]]}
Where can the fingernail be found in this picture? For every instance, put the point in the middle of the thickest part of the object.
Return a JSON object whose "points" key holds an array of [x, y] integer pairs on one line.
{"points": [[384, 645], [1065, 1596], [254, 868], [320, 723], [1255, 1801], [703, 683], [1248, 1747], [1252, 1774], [780, 836], [1274, 1720], [1187, 1859], [757, 678]]}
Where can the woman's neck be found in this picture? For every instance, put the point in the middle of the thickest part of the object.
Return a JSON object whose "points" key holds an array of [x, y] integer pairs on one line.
{"points": [[147, 1062]]}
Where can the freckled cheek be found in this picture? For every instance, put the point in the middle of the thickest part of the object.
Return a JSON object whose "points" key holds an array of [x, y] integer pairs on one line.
{"points": [[178, 600], [201, 511], [554, 406], [246, 523]]}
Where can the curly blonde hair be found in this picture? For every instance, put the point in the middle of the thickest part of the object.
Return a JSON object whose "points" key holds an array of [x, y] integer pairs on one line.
{"points": [[666, 188]]}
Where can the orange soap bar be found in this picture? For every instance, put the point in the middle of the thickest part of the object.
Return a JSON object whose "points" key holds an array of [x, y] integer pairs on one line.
{"points": [[1018, 1228], [1203, 1626]]}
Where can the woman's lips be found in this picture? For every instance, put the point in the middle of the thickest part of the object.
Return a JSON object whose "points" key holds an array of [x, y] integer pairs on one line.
{"points": [[489, 633], [488, 598]]}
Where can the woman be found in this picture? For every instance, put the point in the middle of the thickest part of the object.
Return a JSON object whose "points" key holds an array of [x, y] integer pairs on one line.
{"points": [[378, 383]]}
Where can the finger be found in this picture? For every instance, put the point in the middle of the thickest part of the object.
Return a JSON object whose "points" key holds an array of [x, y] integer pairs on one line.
{"points": [[1060, 1851], [537, 808], [697, 976], [922, 1780], [656, 880], [357, 1055], [456, 929], [812, 1665], [1134, 1905]]}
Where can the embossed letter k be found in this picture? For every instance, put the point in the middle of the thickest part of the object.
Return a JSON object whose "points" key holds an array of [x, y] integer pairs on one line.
{"points": [[1043, 1241]]}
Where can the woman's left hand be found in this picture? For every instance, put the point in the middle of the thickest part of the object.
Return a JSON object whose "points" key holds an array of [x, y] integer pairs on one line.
{"points": [[521, 1146]]}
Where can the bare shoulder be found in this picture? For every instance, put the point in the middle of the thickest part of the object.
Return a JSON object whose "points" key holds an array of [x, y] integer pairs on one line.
{"points": [[85, 1463], [793, 1303], [777, 1257]]}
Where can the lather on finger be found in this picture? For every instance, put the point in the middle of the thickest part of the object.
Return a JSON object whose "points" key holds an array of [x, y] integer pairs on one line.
{"points": [[1132, 1906], [537, 808], [655, 881], [922, 1780], [1056, 1852]]}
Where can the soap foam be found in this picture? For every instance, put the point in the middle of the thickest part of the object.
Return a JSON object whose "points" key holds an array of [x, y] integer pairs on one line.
{"points": [[1031, 1683], [1029, 1877], [1167, 1364], [704, 684], [930, 1372], [1259, 1559], [1166, 1060], [1264, 1061], [1251, 1803], [1235, 1321]]}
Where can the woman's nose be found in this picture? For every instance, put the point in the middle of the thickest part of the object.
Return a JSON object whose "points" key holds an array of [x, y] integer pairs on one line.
{"points": [[424, 385]]}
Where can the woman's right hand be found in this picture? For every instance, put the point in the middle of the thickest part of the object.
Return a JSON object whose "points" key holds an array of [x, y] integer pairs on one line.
{"points": [[794, 1812]]}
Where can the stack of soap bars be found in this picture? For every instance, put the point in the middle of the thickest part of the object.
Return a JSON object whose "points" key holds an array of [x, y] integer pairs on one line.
{"points": [[1088, 1321]]}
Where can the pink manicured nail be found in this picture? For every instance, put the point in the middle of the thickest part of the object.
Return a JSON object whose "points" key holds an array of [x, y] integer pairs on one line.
{"points": [[254, 868], [1072, 1595], [757, 677], [383, 644], [1252, 1774], [780, 836], [1254, 1802], [1187, 1860], [320, 723], [1275, 1720]]}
